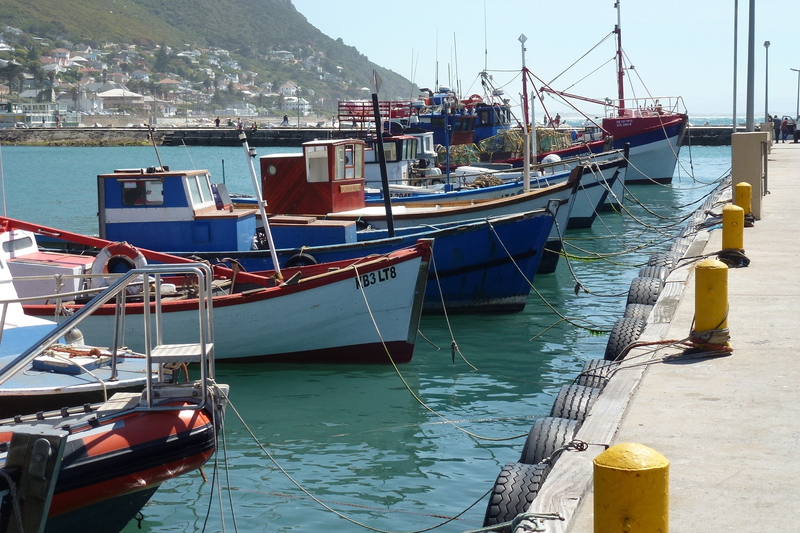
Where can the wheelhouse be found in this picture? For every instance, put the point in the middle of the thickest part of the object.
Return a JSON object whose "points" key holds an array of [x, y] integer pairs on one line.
{"points": [[177, 211]]}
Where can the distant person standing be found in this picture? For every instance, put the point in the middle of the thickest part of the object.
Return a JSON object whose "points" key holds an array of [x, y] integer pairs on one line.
{"points": [[285, 120], [217, 122], [784, 130], [776, 127]]}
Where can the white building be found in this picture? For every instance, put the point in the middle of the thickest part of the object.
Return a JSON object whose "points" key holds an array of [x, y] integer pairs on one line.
{"points": [[290, 103]]}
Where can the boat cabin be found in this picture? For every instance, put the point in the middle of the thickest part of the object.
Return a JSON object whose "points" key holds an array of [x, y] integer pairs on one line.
{"points": [[176, 211], [401, 156], [327, 177], [20, 253]]}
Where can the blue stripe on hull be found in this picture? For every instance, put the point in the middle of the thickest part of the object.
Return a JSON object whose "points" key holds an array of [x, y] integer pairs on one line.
{"points": [[474, 269]]}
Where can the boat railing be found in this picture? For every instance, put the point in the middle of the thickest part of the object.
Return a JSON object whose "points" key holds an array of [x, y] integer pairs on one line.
{"points": [[645, 107], [160, 353]]}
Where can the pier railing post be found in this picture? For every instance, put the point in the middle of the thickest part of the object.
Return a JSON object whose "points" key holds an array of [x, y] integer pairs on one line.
{"points": [[631, 490], [743, 197], [749, 164], [711, 295], [733, 228]]}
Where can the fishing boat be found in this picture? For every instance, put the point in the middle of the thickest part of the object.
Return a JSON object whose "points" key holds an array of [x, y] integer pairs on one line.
{"points": [[602, 178], [317, 313], [109, 458], [484, 263], [653, 126], [68, 373]]}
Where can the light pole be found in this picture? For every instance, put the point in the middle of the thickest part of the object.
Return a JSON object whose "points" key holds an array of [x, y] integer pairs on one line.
{"points": [[766, 82], [797, 110]]}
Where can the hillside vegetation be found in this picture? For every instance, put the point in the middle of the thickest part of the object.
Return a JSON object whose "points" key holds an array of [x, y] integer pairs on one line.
{"points": [[249, 29]]}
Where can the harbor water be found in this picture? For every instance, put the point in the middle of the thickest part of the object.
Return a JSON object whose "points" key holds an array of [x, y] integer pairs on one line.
{"points": [[399, 449]]}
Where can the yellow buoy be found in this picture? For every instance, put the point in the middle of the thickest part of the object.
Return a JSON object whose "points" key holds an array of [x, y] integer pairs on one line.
{"points": [[631, 490], [711, 295], [732, 228], [744, 197]]}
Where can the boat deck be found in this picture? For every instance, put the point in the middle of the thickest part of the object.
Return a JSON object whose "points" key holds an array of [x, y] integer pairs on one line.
{"points": [[728, 425]]}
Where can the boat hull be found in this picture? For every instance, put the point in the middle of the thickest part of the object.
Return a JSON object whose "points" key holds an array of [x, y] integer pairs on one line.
{"points": [[655, 144], [321, 319], [117, 463], [475, 273]]}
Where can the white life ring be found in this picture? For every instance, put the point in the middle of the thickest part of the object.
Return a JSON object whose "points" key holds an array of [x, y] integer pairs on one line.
{"points": [[110, 259]]}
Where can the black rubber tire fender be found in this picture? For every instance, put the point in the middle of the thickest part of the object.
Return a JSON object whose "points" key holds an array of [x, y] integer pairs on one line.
{"points": [[680, 245], [301, 259], [650, 271], [574, 402], [624, 332], [596, 373], [640, 311], [645, 291], [547, 435], [515, 488], [667, 259]]}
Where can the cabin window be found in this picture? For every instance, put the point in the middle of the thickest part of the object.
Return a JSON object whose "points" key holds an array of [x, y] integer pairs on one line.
{"points": [[204, 182], [359, 160], [194, 190], [17, 244], [345, 162], [390, 149], [142, 192], [317, 164], [410, 149]]}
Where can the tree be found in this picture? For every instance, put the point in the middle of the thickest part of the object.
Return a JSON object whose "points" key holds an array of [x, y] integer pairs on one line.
{"points": [[162, 59], [12, 73]]}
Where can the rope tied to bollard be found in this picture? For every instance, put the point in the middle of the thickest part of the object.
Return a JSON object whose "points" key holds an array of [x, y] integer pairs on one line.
{"points": [[536, 522], [710, 341]]}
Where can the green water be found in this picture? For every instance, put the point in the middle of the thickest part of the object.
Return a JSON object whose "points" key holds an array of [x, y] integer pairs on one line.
{"points": [[355, 437]]}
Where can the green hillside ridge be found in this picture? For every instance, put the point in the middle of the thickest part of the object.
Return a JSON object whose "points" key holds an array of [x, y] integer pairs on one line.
{"points": [[248, 29]]}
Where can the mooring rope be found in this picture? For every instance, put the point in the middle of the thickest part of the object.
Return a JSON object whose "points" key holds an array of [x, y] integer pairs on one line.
{"points": [[454, 349], [326, 506], [408, 387]]}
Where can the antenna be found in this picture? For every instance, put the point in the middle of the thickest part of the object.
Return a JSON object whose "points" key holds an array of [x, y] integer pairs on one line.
{"points": [[485, 41], [436, 86], [455, 53]]}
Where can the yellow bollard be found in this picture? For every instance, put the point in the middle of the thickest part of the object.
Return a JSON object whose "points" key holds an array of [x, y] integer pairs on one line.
{"points": [[631, 490], [744, 197], [732, 228], [711, 295]]}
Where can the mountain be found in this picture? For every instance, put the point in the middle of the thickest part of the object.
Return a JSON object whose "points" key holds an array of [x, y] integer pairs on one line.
{"points": [[248, 28]]}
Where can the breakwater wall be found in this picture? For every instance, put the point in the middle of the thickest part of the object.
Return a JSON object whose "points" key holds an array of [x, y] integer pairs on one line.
{"points": [[286, 136]]}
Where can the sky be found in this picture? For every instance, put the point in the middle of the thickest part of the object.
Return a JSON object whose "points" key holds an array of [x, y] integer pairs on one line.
{"points": [[677, 48]]}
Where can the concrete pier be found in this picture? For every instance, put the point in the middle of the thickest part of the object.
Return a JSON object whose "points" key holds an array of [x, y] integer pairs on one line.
{"points": [[227, 136], [727, 424]]}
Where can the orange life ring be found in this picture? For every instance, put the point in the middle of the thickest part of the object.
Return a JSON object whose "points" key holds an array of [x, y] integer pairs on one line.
{"points": [[118, 257]]}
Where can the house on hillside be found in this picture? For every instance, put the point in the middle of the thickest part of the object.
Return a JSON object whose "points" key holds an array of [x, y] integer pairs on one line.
{"points": [[292, 103], [117, 98], [140, 75], [281, 55], [61, 53], [288, 89]]}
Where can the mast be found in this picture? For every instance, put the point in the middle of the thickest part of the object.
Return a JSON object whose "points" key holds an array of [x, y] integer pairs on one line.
{"points": [[620, 87], [526, 162]]}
